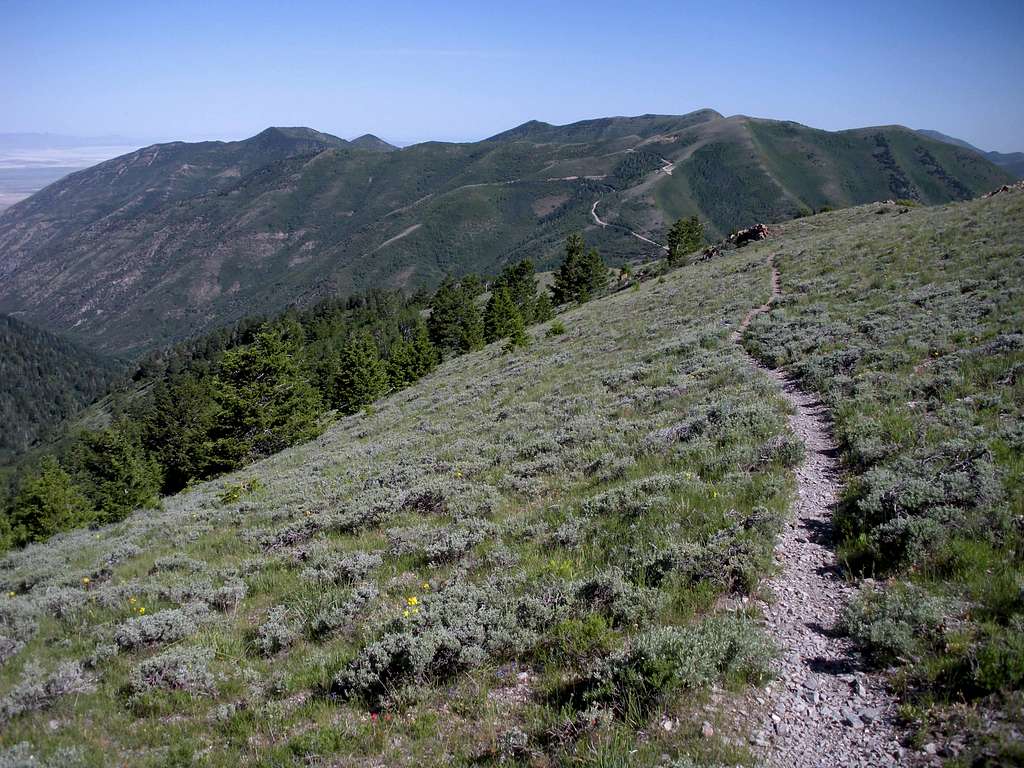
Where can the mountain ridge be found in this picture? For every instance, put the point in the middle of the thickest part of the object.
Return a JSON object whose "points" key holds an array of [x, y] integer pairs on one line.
{"points": [[175, 239], [1013, 162]]}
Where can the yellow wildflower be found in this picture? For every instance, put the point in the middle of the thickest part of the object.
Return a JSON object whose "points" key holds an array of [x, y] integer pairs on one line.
{"points": [[141, 611], [85, 580], [10, 594], [131, 599], [457, 473], [413, 600], [405, 613], [426, 586]]}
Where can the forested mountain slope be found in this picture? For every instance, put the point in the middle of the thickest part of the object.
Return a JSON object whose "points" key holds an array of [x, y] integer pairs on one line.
{"points": [[176, 239], [44, 379]]}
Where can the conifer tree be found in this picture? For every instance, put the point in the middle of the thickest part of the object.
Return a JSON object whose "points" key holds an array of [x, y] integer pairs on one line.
{"points": [[362, 375], [114, 472], [501, 315], [595, 276], [411, 359], [47, 502], [685, 236], [445, 323], [472, 337], [456, 324], [542, 308], [521, 283], [264, 402], [582, 274], [424, 354], [401, 365], [6, 531], [568, 276], [516, 332], [175, 426]]}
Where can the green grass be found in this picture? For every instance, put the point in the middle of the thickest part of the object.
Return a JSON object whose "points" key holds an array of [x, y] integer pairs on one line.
{"points": [[538, 483], [909, 323], [560, 523]]}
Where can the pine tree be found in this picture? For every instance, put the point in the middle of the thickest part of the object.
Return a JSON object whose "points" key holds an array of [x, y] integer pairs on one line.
{"points": [[543, 310], [401, 365], [568, 278], [175, 426], [424, 354], [582, 274], [595, 276], [501, 315], [521, 283], [114, 472], [411, 359], [456, 324], [362, 375], [264, 402], [472, 336], [47, 502], [685, 236], [516, 333]]}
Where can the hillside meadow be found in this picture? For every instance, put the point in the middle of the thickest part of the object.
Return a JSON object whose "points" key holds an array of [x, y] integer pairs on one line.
{"points": [[521, 557], [910, 324], [540, 557]]}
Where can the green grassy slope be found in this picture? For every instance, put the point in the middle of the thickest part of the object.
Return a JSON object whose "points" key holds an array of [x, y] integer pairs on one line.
{"points": [[439, 582], [531, 556], [909, 323], [175, 239]]}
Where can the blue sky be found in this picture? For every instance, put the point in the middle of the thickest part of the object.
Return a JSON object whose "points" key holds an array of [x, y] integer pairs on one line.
{"points": [[465, 70]]}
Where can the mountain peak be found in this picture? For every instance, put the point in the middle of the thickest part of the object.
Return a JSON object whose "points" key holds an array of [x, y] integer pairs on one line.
{"points": [[296, 135], [373, 143]]}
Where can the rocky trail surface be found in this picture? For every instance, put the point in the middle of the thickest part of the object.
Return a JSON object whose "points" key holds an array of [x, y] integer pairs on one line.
{"points": [[824, 709]]}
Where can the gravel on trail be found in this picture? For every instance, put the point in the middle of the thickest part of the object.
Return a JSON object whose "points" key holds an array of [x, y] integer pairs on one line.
{"points": [[824, 709]]}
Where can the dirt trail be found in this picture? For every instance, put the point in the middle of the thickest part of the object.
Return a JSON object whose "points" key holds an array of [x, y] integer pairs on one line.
{"points": [[602, 223], [825, 709]]}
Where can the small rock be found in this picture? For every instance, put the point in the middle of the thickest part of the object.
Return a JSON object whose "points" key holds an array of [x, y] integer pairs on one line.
{"points": [[667, 724], [930, 748], [870, 714], [811, 683], [707, 730]]}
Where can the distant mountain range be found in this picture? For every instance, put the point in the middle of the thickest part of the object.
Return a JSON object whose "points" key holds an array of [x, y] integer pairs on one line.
{"points": [[1013, 162], [174, 239]]}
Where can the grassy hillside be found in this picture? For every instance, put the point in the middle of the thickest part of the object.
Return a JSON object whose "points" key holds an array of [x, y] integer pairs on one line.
{"points": [[909, 323], [175, 239], [535, 556], [44, 379], [520, 555]]}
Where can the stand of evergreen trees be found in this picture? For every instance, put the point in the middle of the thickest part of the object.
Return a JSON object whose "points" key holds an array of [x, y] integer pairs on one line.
{"points": [[216, 403]]}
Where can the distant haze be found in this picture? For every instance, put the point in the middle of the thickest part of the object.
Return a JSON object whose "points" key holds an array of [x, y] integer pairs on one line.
{"points": [[29, 162]]}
